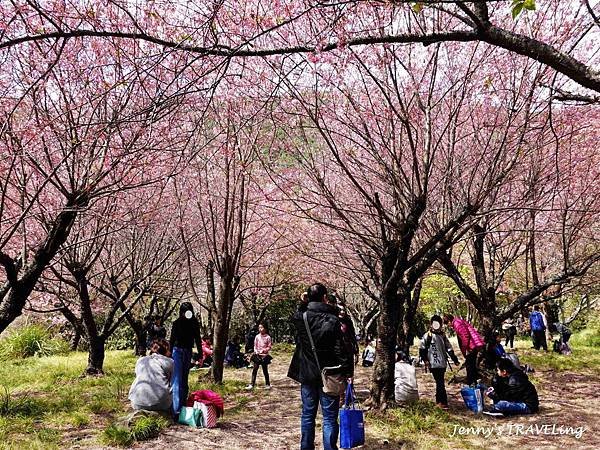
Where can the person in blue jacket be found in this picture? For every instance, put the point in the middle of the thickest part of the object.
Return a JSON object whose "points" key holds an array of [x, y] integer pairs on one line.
{"points": [[538, 329]]}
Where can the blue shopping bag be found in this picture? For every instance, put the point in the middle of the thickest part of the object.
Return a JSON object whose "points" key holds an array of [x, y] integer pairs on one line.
{"points": [[472, 398], [352, 426]]}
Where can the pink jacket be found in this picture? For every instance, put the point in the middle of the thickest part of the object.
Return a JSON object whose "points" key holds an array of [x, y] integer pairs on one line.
{"points": [[206, 348], [468, 337], [262, 344]]}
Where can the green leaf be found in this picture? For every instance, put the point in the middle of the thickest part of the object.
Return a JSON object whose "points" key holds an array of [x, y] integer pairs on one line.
{"points": [[517, 10], [529, 4], [417, 7]]}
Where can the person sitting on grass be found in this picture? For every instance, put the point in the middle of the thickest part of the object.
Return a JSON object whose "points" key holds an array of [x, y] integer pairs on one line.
{"points": [[233, 355], [405, 379], [151, 389], [511, 391]]}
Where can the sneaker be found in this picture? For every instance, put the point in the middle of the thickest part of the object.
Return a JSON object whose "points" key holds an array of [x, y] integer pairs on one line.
{"points": [[268, 386], [493, 413], [249, 387]]}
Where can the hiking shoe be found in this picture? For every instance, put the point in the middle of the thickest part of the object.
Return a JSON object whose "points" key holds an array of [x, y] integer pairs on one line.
{"points": [[442, 406], [268, 386], [249, 387]]}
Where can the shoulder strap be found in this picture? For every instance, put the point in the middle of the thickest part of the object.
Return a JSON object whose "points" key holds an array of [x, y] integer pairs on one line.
{"points": [[312, 343], [428, 339]]}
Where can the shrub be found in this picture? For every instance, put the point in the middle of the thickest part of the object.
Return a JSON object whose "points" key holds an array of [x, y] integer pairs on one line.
{"points": [[31, 340], [122, 339]]}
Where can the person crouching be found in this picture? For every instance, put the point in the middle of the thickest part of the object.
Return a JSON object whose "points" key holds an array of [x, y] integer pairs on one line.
{"points": [[151, 389], [405, 380]]}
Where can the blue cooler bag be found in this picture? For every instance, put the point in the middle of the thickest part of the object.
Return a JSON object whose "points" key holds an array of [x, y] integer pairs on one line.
{"points": [[473, 399], [352, 427]]}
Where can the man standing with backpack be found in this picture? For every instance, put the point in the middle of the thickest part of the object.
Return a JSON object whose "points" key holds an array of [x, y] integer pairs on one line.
{"points": [[538, 329]]}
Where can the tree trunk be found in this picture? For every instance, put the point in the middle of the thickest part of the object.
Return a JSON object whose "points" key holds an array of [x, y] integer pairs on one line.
{"points": [[211, 295], [382, 386], [96, 356], [221, 329], [407, 329], [140, 342], [12, 306], [96, 340], [74, 343]]}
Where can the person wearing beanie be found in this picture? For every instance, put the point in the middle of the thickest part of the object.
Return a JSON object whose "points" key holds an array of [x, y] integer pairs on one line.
{"points": [[434, 351]]}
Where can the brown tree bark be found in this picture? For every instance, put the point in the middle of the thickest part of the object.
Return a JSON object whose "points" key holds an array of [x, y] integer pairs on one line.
{"points": [[221, 329], [16, 291]]}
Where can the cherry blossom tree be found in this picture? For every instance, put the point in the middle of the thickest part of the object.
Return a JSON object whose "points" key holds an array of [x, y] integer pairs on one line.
{"points": [[548, 235], [81, 123], [401, 151], [558, 34]]}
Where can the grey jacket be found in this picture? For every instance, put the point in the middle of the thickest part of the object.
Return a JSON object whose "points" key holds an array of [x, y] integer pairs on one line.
{"points": [[151, 388], [435, 347]]}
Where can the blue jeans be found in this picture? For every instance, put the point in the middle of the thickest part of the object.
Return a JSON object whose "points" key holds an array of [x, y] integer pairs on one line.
{"points": [[330, 406], [181, 370], [511, 407]]}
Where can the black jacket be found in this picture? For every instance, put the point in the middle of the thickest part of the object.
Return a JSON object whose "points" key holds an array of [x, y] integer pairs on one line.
{"points": [[516, 388], [186, 332], [326, 332]]}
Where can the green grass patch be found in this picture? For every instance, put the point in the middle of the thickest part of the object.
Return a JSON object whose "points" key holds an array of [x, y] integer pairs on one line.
{"points": [[240, 406], [148, 427], [282, 348], [42, 397], [142, 429], [30, 340], [582, 358], [117, 436], [589, 337]]}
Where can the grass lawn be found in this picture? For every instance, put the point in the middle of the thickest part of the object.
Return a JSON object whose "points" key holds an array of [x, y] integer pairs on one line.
{"points": [[45, 403]]}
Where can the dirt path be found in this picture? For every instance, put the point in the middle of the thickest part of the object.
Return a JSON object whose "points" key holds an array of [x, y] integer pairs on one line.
{"points": [[271, 419]]}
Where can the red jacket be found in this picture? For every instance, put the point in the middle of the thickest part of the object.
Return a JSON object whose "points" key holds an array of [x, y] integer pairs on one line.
{"points": [[468, 337]]}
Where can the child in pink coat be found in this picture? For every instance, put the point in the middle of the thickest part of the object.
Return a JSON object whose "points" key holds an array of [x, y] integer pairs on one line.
{"points": [[261, 357]]}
